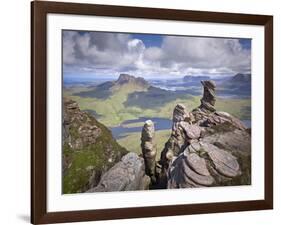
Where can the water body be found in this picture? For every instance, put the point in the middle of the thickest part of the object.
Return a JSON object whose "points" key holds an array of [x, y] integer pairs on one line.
{"points": [[159, 123], [121, 130]]}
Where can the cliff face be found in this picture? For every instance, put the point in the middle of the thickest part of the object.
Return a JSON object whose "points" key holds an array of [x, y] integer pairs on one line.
{"points": [[89, 149]]}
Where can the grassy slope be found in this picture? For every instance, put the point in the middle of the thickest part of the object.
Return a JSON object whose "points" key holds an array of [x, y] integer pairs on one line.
{"points": [[132, 141], [114, 112], [240, 108], [112, 109]]}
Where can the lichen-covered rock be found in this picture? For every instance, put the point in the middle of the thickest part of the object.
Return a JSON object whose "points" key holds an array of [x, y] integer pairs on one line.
{"points": [[89, 149], [126, 175], [79, 128]]}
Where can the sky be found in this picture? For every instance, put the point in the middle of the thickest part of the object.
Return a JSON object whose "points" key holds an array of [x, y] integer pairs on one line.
{"points": [[107, 54]]}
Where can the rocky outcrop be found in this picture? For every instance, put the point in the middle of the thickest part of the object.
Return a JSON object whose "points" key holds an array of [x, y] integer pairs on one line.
{"points": [[206, 147], [209, 97], [207, 116], [126, 175], [89, 149], [182, 133], [202, 165], [148, 147], [179, 113], [78, 131]]}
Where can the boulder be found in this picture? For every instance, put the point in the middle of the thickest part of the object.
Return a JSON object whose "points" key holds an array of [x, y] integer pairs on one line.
{"points": [[126, 175]]}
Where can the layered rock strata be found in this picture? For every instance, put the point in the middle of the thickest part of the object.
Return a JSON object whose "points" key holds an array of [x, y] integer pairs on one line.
{"points": [[148, 147]]}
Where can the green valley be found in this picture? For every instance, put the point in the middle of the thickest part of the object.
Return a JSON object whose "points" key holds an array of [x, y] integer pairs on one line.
{"points": [[129, 98]]}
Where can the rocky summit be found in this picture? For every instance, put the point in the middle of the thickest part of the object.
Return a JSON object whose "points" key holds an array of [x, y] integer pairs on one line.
{"points": [[206, 148]]}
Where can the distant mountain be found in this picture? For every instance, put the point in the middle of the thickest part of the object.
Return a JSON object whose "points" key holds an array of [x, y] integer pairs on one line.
{"points": [[125, 79], [124, 83], [241, 78], [113, 98], [194, 79], [237, 84], [128, 79]]}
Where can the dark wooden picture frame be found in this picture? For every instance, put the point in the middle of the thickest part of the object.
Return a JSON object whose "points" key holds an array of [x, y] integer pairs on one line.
{"points": [[39, 13]]}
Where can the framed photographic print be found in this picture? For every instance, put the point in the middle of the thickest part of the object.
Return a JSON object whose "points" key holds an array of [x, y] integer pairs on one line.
{"points": [[143, 112]]}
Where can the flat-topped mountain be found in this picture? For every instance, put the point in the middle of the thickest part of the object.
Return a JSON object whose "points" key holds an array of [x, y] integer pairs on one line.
{"points": [[129, 79], [124, 80], [124, 83]]}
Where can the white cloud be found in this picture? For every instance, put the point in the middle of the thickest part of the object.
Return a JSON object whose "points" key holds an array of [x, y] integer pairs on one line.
{"points": [[112, 53], [202, 53]]}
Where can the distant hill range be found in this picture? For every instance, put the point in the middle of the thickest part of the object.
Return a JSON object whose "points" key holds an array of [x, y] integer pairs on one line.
{"points": [[195, 79], [239, 78], [239, 83]]}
